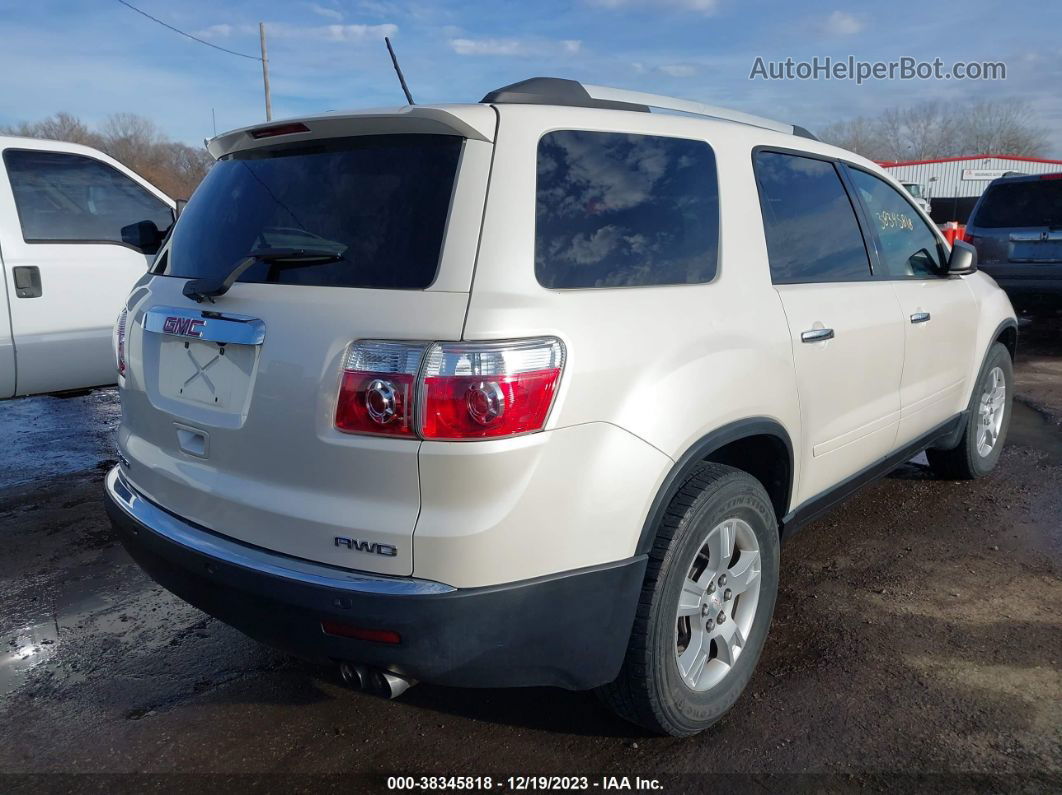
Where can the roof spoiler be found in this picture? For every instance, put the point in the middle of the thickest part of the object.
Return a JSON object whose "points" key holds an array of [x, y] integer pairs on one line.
{"points": [[408, 118]]}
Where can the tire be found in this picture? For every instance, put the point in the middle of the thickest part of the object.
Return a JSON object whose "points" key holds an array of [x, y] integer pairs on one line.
{"points": [[970, 459], [651, 689]]}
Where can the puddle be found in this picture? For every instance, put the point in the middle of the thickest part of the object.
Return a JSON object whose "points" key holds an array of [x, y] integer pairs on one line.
{"points": [[48, 436], [81, 600], [1029, 428], [25, 649]]}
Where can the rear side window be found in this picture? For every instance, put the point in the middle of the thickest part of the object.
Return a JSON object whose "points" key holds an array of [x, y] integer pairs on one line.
{"points": [[376, 204], [66, 198], [1036, 203], [811, 229], [619, 210]]}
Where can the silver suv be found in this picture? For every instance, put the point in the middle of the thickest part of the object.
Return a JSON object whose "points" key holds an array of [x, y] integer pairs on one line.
{"points": [[528, 392], [1016, 227]]}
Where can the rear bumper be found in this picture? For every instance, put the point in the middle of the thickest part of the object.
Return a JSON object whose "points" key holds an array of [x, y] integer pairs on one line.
{"points": [[569, 630], [1028, 281]]}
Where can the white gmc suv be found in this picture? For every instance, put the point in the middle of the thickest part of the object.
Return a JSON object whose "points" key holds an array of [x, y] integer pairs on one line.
{"points": [[527, 392]]}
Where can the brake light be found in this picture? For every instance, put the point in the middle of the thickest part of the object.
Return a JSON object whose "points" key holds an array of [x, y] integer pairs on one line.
{"points": [[376, 394], [449, 390], [487, 390], [279, 129], [1051, 176], [119, 341]]}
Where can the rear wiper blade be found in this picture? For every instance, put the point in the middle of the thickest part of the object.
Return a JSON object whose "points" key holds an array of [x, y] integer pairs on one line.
{"points": [[207, 289]]}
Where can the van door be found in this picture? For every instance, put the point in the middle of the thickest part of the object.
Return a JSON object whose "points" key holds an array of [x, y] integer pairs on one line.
{"points": [[846, 330], [65, 265], [940, 313]]}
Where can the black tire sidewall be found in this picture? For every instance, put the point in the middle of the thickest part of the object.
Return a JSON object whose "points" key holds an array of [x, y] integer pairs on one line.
{"points": [[998, 356], [741, 497]]}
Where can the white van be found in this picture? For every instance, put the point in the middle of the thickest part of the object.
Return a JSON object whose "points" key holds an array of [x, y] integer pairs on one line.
{"points": [[77, 229], [528, 392]]}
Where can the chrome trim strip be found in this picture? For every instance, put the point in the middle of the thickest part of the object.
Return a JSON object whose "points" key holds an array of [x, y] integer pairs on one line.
{"points": [[169, 527], [211, 326]]}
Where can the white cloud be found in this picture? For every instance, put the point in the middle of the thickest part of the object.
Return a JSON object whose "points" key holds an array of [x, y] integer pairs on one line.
{"points": [[281, 30], [841, 23], [324, 11], [678, 70], [698, 6], [344, 33], [514, 47], [215, 32]]}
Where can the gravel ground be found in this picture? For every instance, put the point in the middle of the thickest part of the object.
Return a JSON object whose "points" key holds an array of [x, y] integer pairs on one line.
{"points": [[916, 645]]}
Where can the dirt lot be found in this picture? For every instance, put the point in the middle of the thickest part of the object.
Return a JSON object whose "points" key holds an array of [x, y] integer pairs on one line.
{"points": [[916, 644]]}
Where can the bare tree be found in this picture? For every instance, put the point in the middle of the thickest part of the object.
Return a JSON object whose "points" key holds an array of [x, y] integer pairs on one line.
{"points": [[60, 127], [1003, 127], [936, 129], [132, 140]]}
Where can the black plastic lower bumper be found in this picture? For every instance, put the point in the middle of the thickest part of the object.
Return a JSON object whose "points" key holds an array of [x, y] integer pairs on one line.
{"points": [[569, 630]]}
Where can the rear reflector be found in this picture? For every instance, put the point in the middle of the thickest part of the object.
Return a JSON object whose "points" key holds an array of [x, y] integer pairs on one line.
{"points": [[449, 390], [279, 129], [341, 630]]}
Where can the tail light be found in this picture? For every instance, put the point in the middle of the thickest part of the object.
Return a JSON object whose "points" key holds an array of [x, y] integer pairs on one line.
{"points": [[376, 395], [119, 341], [453, 391], [484, 390]]}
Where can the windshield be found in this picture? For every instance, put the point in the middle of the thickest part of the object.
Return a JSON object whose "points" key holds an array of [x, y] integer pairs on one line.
{"points": [[1026, 203], [913, 188], [378, 204]]}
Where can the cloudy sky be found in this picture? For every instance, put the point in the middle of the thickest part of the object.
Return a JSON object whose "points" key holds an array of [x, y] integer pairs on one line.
{"points": [[95, 57]]}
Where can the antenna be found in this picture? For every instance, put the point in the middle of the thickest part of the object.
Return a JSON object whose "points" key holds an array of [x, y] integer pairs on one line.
{"points": [[398, 70]]}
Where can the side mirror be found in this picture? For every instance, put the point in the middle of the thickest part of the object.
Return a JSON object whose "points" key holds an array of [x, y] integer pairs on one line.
{"points": [[143, 236], [963, 259], [181, 204]]}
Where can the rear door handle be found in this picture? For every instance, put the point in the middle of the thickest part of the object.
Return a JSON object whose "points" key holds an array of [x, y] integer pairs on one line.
{"points": [[920, 317], [27, 281], [816, 335]]}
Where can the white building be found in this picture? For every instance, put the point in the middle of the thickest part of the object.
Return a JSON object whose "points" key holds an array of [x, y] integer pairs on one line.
{"points": [[953, 184]]}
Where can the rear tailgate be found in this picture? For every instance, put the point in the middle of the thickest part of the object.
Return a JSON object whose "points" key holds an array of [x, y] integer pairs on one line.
{"points": [[228, 407]]}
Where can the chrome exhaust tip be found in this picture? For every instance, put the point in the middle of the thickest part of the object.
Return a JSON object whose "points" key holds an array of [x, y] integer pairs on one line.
{"points": [[374, 680]]}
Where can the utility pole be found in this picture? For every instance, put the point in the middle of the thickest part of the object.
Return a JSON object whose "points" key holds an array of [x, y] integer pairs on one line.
{"points": [[265, 71]]}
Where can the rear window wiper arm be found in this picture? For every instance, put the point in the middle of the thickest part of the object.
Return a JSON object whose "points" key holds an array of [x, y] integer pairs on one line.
{"points": [[209, 288]]}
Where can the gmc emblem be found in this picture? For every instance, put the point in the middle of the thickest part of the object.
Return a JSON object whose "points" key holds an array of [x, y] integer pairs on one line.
{"points": [[371, 547], [184, 326]]}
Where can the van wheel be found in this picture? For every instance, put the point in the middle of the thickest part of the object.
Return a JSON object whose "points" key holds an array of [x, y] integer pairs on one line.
{"points": [[986, 425], [705, 607]]}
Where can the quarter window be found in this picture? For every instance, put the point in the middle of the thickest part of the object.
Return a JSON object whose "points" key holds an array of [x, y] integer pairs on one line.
{"points": [[907, 247], [808, 220], [66, 198], [619, 210]]}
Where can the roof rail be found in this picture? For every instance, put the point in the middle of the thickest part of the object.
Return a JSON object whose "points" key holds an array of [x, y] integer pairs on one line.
{"points": [[558, 91]]}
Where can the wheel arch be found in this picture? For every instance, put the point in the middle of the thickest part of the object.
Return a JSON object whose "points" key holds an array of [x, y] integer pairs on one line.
{"points": [[1007, 333], [760, 446]]}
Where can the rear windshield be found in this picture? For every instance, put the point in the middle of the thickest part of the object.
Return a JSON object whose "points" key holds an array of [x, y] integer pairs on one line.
{"points": [[1036, 203], [377, 203]]}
